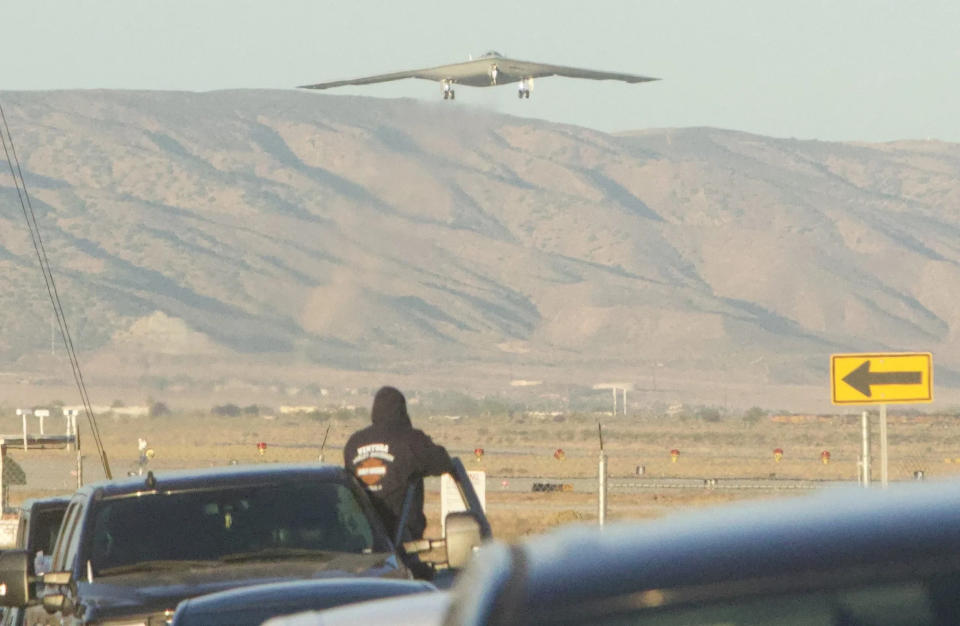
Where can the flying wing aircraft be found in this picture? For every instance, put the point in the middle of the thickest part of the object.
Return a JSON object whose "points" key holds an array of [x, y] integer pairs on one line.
{"points": [[489, 69]]}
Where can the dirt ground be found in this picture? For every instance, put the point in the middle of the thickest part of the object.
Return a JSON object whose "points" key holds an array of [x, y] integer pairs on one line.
{"points": [[525, 446], [516, 515]]}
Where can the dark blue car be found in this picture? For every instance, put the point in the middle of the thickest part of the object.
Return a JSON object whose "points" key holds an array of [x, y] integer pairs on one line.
{"points": [[849, 556]]}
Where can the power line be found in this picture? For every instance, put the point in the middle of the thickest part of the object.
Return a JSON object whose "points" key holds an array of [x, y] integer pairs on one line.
{"points": [[54, 295]]}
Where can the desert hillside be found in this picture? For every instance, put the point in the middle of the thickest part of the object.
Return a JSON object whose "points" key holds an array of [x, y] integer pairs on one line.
{"points": [[284, 241]]}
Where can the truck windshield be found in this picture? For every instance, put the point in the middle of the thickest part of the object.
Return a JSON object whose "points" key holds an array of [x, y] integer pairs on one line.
{"points": [[213, 525]]}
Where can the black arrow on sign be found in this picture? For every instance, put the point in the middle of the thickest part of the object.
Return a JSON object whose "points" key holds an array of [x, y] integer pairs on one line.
{"points": [[862, 378]]}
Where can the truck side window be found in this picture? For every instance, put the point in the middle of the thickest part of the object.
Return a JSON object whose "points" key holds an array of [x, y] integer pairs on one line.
{"points": [[58, 545], [359, 535], [46, 526], [66, 546], [73, 541]]}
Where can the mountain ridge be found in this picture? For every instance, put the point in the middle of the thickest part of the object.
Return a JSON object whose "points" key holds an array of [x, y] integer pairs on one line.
{"points": [[417, 239]]}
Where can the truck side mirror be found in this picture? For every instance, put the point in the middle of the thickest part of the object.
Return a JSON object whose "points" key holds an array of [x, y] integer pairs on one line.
{"points": [[53, 602], [57, 578], [15, 584], [462, 536]]}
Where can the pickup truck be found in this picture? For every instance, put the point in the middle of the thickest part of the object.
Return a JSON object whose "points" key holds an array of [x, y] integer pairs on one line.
{"points": [[254, 604], [131, 550], [37, 528], [842, 556]]}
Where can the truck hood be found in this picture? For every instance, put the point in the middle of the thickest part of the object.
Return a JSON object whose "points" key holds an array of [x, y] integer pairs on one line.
{"points": [[143, 593]]}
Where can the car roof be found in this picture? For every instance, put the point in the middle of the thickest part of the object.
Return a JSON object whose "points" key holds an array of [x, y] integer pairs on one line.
{"points": [[217, 477], [834, 529]]}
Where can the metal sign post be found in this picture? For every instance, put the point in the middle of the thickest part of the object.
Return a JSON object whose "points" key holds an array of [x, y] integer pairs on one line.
{"points": [[70, 415], [3, 483], [880, 378], [615, 388], [865, 454], [601, 482], [602, 490], [23, 413], [883, 446], [41, 413]]}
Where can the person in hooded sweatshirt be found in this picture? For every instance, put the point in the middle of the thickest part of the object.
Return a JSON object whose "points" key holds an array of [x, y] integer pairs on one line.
{"points": [[390, 452]]}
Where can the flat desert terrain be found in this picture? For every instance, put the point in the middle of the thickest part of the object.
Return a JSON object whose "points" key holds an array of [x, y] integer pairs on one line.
{"points": [[522, 448]]}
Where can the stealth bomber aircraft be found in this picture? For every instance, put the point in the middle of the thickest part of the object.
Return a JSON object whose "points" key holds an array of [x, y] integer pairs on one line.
{"points": [[488, 70]]}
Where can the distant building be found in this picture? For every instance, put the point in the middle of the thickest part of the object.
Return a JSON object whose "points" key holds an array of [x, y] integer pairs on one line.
{"points": [[121, 411], [298, 410]]}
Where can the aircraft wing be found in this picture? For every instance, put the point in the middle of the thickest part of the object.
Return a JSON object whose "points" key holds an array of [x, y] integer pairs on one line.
{"points": [[477, 73], [512, 70], [469, 73], [367, 80]]}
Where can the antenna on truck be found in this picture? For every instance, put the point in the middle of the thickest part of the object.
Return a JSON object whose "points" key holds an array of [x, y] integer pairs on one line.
{"points": [[324, 442]]}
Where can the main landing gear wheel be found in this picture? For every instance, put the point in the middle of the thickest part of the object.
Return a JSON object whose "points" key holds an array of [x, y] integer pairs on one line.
{"points": [[523, 89]]}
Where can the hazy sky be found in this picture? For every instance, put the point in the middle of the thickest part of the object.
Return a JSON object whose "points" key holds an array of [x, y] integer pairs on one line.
{"points": [[873, 70]]}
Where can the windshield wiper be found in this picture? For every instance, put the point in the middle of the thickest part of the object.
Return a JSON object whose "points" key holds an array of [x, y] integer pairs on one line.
{"points": [[270, 554], [153, 566]]}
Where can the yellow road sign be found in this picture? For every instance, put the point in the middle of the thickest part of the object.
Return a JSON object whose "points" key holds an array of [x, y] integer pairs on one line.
{"points": [[884, 378]]}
